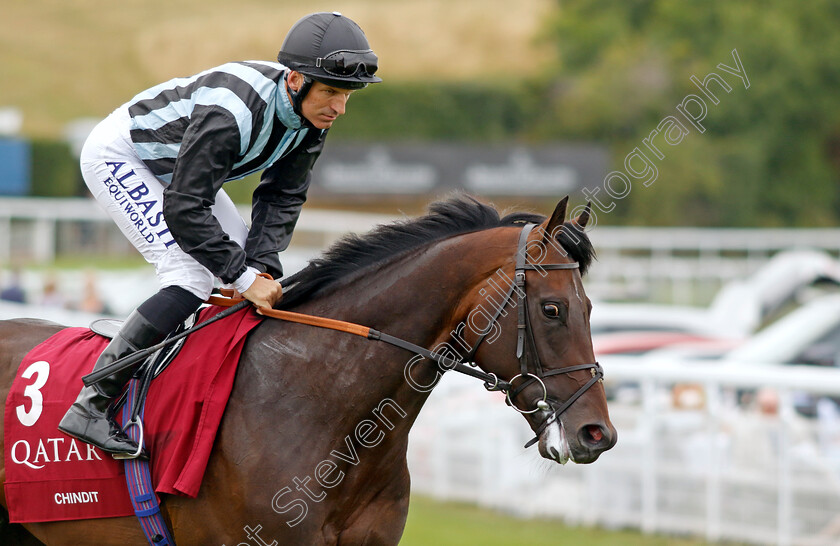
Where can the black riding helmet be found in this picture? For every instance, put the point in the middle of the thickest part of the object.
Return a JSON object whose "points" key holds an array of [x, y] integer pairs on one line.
{"points": [[329, 48]]}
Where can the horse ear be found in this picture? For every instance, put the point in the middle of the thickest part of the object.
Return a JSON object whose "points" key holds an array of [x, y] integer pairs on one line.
{"points": [[583, 217], [557, 218]]}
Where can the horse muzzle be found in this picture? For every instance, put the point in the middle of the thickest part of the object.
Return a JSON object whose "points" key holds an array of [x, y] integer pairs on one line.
{"points": [[584, 447]]}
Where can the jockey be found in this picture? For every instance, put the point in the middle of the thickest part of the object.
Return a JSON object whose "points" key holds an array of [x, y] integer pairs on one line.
{"points": [[157, 165]]}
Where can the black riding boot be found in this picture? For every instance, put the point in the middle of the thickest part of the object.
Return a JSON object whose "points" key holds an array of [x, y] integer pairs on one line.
{"points": [[88, 419]]}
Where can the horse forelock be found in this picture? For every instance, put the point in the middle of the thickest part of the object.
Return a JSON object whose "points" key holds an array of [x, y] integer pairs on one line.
{"points": [[455, 216]]}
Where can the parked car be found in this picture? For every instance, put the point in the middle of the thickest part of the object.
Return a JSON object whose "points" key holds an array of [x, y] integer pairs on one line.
{"points": [[809, 335], [739, 310], [637, 342]]}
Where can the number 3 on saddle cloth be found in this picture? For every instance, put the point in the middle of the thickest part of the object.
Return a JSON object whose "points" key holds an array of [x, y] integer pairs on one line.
{"points": [[51, 476]]}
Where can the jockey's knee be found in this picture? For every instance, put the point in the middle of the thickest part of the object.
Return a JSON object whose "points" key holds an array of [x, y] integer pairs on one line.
{"points": [[176, 268], [200, 286]]}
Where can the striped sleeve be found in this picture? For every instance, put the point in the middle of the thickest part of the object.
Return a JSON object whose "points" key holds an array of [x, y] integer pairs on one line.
{"points": [[159, 115], [208, 151]]}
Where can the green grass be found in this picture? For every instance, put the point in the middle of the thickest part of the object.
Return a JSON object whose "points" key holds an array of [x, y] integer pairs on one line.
{"points": [[454, 524]]}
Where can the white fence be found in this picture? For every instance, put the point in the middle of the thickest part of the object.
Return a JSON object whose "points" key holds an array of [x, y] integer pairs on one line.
{"points": [[717, 470], [688, 265], [683, 265], [39, 229]]}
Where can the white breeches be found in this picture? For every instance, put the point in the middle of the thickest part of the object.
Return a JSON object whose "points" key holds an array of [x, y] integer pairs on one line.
{"points": [[133, 197]]}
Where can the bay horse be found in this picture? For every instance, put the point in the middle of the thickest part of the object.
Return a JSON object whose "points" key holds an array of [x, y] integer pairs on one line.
{"points": [[312, 447]]}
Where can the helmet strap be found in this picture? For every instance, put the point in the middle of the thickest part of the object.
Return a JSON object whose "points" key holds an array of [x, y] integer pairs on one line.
{"points": [[298, 96]]}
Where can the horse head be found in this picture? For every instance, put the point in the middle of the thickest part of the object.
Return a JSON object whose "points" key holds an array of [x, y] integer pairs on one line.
{"points": [[504, 294], [538, 343]]}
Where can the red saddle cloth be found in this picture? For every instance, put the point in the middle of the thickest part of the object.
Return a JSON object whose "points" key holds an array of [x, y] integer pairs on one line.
{"points": [[51, 476]]}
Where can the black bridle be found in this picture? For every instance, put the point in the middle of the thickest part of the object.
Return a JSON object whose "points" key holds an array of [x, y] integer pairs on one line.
{"points": [[526, 348]]}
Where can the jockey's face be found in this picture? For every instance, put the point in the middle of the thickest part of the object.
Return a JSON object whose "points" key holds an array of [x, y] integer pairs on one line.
{"points": [[323, 103]]}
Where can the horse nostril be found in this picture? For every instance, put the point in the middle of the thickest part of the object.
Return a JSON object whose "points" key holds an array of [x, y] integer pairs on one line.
{"points": [[593, 435]]}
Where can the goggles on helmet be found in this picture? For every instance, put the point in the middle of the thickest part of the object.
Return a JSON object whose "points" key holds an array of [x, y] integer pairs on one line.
{"points": [[347, 63]]}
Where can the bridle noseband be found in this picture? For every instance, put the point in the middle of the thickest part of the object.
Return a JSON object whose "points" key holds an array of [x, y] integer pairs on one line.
{"points": [[525, 347]]}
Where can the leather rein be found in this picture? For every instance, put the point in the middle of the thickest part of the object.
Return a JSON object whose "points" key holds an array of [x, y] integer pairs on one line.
{"points": [[526, 347]]}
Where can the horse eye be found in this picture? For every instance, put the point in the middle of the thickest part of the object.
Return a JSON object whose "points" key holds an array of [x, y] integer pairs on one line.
{"points": [[551, 310]]}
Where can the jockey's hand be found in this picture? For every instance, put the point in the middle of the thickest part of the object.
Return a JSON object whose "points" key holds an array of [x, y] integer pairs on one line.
{"points": [[263, 293]]}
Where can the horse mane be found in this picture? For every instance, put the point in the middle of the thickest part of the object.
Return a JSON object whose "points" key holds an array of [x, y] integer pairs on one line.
{"points": [[455, 216]]}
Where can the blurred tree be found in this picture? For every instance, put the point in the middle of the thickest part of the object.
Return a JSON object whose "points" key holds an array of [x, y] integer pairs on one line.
{"points": [[433, 111], [770, 154]]}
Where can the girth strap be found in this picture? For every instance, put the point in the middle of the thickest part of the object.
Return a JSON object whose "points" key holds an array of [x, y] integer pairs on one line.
{"points": [[138, 474]]}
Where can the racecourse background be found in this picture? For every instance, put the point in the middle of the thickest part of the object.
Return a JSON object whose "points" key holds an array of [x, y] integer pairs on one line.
{"points": [[673, 471], [673, 265], [504, 100], [489, 73]]}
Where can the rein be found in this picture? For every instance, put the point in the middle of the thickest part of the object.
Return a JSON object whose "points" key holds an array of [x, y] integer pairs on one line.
{"points": [[376, 335], [525, 344], [526, 347]]}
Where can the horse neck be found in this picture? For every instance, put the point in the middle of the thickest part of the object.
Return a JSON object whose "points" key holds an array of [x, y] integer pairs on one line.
{"points": [[421, 298]]}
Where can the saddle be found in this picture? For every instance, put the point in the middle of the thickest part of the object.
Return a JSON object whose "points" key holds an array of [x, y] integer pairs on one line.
{"points": [[45, 470], [107, 328], [153, 365]]}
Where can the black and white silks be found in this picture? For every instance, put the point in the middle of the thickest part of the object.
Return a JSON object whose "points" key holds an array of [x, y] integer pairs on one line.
{"points": [[222, 124]]}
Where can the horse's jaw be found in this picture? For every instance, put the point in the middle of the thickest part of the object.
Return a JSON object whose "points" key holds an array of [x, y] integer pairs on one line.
{"points": [[553, 444]]}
